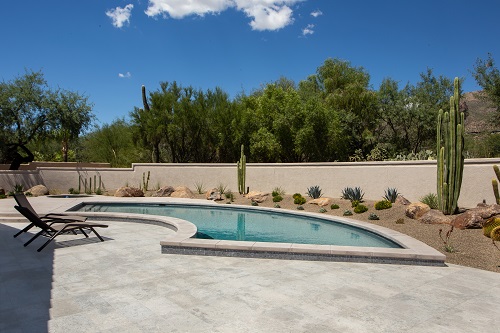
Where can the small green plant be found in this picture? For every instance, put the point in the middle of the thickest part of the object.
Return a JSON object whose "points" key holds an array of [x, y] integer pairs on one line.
{"points": [[322, 210], [200, 189], [277, 205], [347, 212], [254, 203], [373, 217], [10, 194], [98, 191], [18, 188], [314, 192], [297, 195], [228, 194], [221, 188], [334, 206], [391, 194], [3, 196], [430, 200], [360, 209], [352, 194], [354, 203], [277, 198], [300, 208], [28, 194], [383, 204], [446, 240], [278, 191], [400, 221], [299, 200]]}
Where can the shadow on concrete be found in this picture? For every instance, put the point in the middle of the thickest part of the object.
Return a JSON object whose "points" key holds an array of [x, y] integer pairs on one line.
{"points": [[25, 283]]}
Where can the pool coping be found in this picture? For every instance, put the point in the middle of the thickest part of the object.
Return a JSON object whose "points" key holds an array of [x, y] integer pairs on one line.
{"points": [[414, 252]]}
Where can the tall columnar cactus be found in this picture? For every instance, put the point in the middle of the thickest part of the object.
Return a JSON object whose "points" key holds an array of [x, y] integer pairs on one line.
{"points": [[450, 161], [494, 182], [145, 99], [242, 171]]}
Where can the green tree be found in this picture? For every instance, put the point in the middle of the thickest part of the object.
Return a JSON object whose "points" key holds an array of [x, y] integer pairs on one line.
{"points": [[72, 115], [112, 143], [30, 110], [487, 76]]}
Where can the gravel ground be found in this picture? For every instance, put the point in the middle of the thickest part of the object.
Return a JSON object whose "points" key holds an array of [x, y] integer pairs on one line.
{"points": [[469, 247]]}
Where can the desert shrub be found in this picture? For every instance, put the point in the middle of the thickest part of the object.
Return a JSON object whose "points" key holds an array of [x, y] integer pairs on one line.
{"points": [[322, 210], [391, 194], [198, 186], [300, 200], [430, 199], [98, 191], [254, 203], [296, 195], [354, 203], [277, 206], [3, 196], [360, 209], [400, 221], [221, 188], [228, 194], [300, 208], [373, 217], [314, 192], [18, 188], [352, 194], [278, 191], [347, 212], [383, 204], [334, 206], [277, 198]]}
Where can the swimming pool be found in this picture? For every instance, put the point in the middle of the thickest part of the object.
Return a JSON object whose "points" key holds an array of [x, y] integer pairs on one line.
{"points": [[240, 224]]}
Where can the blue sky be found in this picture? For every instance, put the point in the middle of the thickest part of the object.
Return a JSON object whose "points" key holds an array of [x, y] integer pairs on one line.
{"points": [[107, 49]]}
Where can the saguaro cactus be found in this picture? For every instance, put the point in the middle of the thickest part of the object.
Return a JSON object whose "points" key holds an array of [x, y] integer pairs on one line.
{"points": [[494, 182], [242, 171], [450, 161]]}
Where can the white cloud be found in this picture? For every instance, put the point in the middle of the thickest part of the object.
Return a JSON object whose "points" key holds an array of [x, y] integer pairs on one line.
{"points": [[180, 8], [308, 30], [124, 76], [120, 16], [264, 14], [317, 13]]}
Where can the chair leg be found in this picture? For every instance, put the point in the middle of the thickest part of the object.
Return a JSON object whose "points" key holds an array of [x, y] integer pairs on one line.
{"points": [[50, 240], [83, 232], [33, 238], [98, 236], [28, 227]]}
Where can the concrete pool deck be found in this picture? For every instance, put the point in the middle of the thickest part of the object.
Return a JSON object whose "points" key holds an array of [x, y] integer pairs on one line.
{"points": [[126, 284]]}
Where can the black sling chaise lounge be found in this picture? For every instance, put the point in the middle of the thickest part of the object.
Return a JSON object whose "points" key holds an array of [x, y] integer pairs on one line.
{"points": [[53, 229], [22, 201]]}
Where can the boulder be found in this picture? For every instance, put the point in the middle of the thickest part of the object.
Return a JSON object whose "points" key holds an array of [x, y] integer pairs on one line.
{"points": [[476, 217], [128, 191], [38, 190], [182, 192], [402, 200], [213, 194], [321, 202], [257, 196], [416, 210], [165, 191], [435, 216]]}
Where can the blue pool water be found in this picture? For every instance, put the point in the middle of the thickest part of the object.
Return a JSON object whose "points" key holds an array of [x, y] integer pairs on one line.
{"points": [[232, 223]]}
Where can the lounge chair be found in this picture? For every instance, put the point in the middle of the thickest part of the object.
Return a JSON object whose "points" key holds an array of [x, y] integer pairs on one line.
{"points": [[52, 230], [22, 201]]}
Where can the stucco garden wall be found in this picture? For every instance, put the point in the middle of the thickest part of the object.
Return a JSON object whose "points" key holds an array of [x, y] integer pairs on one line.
{"points": [[413, 178]]}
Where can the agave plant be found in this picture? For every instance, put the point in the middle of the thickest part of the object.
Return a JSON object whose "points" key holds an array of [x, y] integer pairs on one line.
{"points": [[353, 194], [314, 192], [391, 194]]}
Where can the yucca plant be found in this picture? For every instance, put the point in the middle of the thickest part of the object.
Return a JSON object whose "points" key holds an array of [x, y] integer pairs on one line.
{"points": [[391, 194], [353, 194], [314, 192]]}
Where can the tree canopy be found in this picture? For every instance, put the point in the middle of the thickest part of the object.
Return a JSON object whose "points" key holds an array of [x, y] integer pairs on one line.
{"points": [[30, 110]]}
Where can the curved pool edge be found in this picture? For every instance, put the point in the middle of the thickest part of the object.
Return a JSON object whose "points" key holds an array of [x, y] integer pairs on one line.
{"points": [[414, 252]]}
